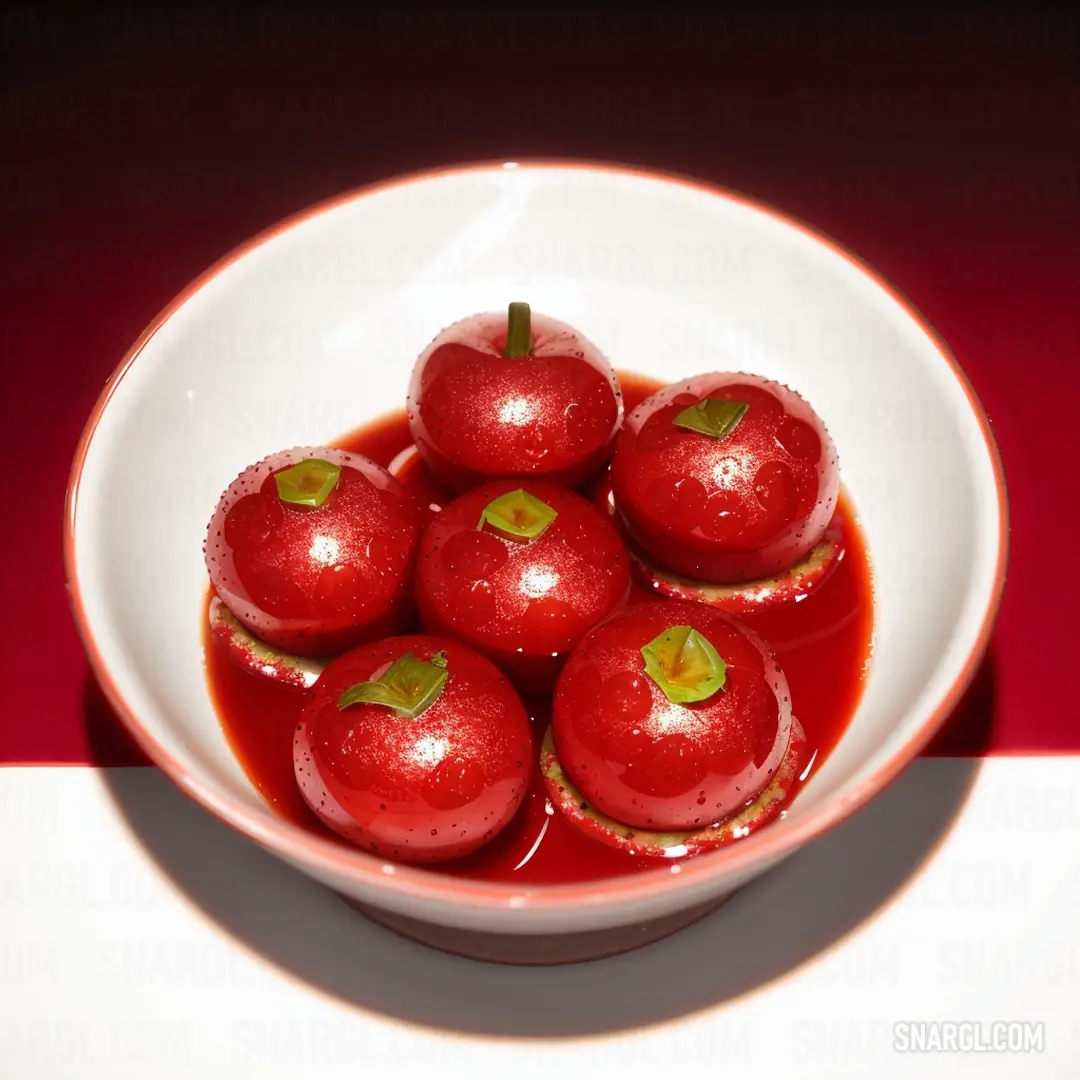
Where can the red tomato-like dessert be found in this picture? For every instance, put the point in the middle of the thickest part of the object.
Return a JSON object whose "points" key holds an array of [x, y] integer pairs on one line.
{"points": [[521, 574], [790, 586], [313, 550], [671, 715], [415, 748], [764, 808], [518, 395], [725, 477]]}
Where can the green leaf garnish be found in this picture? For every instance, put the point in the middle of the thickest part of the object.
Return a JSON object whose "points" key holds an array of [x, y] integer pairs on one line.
{"points": [[518, 515], [307, 483], [409, 686], [684, 664], [712, 416]]}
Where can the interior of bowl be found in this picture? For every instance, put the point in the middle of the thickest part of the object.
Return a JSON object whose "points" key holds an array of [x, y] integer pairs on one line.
{"points": [[314, 331]]}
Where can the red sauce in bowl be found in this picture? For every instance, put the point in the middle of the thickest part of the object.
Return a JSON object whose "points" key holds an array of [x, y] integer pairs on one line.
{"points": [[823, 644]]}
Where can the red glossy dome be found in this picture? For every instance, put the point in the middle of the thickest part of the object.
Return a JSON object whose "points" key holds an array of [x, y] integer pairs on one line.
{"points": [[476, 414], [422, 788], [522, 602], [725, 477], [314, 580], [652, 763]]}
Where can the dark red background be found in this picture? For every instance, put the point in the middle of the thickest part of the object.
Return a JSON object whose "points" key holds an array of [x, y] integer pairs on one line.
{"points": [[138, 147]]}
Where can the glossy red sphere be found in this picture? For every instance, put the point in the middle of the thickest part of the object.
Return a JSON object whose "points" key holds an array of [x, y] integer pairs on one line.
{"points": [[523, 604], [475, 414], [429, 788], [652, 764], [315, 580], [737, 508]]}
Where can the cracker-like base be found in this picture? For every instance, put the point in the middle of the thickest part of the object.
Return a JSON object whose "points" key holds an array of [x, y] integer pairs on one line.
{"points": [[566, 798], [741, 598], [254, 655]]}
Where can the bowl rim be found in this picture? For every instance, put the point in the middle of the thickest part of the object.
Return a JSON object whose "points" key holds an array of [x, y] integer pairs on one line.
{"points": [[328, 858]]}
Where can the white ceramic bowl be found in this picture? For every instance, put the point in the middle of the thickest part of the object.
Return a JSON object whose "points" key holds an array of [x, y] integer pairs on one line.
{"points": [[312, 328]]}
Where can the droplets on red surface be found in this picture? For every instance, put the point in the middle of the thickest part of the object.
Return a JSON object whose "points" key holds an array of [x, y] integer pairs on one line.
{"points": [[743, 504], [666, 767], [577, 422], [757, 712], [346, 755], [774, 489], [657, 431], [432, 787], [823, 652], [385, 553], [454, 783], [626, 694], [535, 598], [272, 592], [722, 516], [800, 440], [533, 445], [473, 554], [252, 519], [339, 588], [674, 494], [596, 547], [315, 580], [478, 602], [762, 395], [733, 757], [477, 415], [647, 761]]}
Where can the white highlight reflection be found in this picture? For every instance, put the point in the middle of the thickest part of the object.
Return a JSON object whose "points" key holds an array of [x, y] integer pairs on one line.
{"points": [[550, 811], [538, 581], [429, 751], [517, 411], [809, 765], [325, 549]]}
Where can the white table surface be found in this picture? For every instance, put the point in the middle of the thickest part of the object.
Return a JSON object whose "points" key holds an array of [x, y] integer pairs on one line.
{"points": [[140, 938]]}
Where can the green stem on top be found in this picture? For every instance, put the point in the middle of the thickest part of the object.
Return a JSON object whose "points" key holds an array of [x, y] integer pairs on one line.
{"points": [[518, 331]]}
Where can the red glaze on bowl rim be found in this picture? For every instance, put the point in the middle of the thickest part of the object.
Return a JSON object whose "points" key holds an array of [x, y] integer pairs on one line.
{"points": [[328, 856]]}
